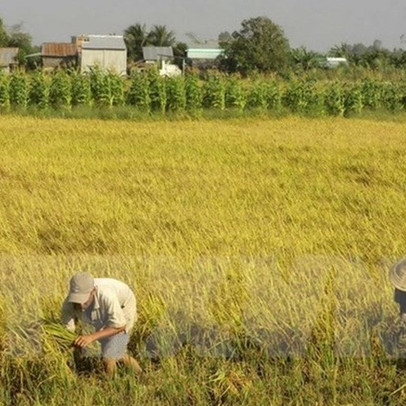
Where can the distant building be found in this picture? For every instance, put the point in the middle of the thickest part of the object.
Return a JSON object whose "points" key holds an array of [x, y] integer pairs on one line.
{"points": [[161, 56], [334, 62], [109, 52], [204, 57], [58, 55], [8, 59], [157, 54]]}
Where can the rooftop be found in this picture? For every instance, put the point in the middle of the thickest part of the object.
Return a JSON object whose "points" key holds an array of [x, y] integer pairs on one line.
{"points": [[103, 42], [8, 56], [157, 53], [59, 49]]}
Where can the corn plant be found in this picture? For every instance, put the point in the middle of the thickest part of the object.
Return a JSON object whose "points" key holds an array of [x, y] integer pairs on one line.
{"points": [[299, 95], [81, 90], [100, 87], [176, 96], [334, 99], [214, 93], [371, 93], [4, 91], [235, 96], [257, 96], [393, 95], [115, 85], [39, 91], [18, 90], [60, 90], [273, 96], [138, 93], [193, 92], [157, 90], [353, 99]]}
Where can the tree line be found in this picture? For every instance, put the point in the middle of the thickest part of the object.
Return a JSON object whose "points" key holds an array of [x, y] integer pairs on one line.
{"points": [[260, 45]]}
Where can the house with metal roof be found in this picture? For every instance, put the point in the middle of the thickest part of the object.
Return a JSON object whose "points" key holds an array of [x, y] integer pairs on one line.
{"points": [[58, 54], [108, 52], [156, 54], [8, 59], [161, 57], [204, 57]]}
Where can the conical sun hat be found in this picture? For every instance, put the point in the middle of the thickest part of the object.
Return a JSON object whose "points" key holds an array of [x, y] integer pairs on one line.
{"points": [[397, 275]]}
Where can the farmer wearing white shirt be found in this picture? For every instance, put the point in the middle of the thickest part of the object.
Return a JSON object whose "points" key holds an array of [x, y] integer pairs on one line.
{"points": [[397, 277], [107, 304]]}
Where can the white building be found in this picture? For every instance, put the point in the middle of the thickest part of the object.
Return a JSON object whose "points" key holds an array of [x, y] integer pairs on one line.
{"points": [[106, 51], [335, 62]]}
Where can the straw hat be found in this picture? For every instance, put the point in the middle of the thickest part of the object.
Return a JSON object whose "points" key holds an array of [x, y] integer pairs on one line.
{"points": [[397, 275]]}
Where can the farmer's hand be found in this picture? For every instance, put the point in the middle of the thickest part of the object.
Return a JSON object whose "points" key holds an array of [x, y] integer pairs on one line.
{"points": [[83, 341]]}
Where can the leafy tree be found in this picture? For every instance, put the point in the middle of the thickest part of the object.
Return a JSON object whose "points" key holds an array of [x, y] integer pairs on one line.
{"points": [[372, 57], [21, 40], [260, 45], [4, 38], [135, 37], [14, 37], [224, 36], [179, 52], [342, 50]]}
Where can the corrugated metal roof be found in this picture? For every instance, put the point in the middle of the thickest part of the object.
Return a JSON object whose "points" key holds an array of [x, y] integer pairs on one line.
{"points": [[157, 53], [8, 56], [61, 49], [204, 53], [103, 42]]}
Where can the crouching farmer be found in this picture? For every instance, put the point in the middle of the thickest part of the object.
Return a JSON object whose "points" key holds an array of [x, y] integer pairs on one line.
{"points": [[109, 306], [397, 276]]}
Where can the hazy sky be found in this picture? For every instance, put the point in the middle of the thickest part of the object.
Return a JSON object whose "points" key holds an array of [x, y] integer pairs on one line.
{"points": [[316, 24]]}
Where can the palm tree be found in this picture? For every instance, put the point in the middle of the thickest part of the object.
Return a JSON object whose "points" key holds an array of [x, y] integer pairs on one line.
{"points": [[160, 36], [304, 59], [135, 37]]}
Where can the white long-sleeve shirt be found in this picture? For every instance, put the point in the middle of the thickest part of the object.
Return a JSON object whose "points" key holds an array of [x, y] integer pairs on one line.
{"points": [[114, 305]]}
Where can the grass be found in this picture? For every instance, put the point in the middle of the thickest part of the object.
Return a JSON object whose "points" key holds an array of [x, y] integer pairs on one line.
{"points": [[258, 250]]}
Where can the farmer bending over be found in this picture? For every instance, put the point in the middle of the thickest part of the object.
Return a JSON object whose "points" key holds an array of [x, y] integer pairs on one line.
{"points": [[107, 304], [397, 276]]}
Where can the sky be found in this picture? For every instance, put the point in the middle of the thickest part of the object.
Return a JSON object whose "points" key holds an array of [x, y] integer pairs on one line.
{"points": [[315, 24]]}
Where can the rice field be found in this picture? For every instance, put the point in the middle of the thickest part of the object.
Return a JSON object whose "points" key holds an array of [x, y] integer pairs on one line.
{"points": [[258, 251]]}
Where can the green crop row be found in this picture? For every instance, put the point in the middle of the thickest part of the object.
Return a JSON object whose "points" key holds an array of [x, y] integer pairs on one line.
{"points": [[148, 92]]}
